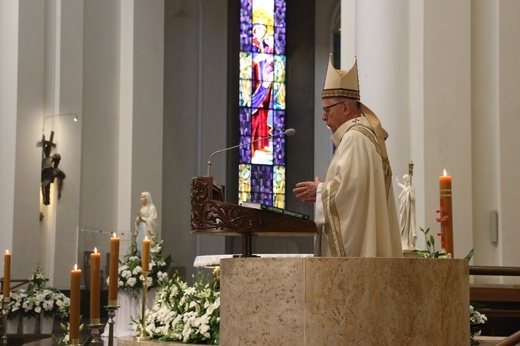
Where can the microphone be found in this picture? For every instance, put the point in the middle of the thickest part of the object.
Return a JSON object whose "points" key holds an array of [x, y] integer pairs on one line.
{"points": [[288, 132]]}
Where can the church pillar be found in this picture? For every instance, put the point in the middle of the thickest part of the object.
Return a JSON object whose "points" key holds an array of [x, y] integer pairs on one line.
{"points": [[125, 195], [122, 102], [140, 111], [382, 53], [447, 114], [40, 83], [195, 121], [8, 71], [61, 113], [414, 74], [21, 102], [504, 112]]}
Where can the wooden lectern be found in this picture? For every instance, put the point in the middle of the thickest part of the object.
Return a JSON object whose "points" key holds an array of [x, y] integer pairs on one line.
{"points": [[210, 215]]}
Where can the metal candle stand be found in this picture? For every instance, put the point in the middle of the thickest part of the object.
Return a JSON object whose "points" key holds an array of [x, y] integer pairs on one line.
{"points": [[111, 314], [5, 307], [142, 332], [95, 327]]}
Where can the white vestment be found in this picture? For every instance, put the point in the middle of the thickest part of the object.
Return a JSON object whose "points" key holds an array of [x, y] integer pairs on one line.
{"points": [[355, 216]]}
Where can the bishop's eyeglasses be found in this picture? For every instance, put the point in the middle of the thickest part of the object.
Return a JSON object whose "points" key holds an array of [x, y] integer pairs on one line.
{"points": [[327, 109]]}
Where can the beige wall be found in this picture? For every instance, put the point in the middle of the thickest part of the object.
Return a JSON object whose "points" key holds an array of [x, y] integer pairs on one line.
{"points": [[194, 118], [68, 60], [457, 109]]}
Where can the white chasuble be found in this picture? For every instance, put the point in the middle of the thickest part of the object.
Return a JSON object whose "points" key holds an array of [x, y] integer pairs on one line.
{"points": [[354, 215]]}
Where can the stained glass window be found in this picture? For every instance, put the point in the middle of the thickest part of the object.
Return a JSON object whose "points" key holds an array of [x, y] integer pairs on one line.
{"points": [[262, 102]]}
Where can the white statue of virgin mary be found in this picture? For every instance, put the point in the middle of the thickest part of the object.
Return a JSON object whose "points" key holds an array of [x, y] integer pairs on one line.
{"points": [[146, 220]]}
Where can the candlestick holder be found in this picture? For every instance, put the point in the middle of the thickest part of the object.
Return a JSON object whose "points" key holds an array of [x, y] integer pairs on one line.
{"points": [[5, 307], [111, 314], [142, 331], [410, 171], [95, 327]]}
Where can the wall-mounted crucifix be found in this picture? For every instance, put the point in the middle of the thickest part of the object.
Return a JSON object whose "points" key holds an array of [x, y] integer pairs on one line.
{"points": [[50, 170]]}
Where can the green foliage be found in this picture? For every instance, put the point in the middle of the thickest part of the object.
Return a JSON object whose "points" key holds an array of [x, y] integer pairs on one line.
{"points": [[430, 251], [64, 339]]}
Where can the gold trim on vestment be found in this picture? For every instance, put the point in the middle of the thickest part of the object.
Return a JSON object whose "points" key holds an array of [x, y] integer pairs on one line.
{"points": [[386, 163], [334, 223]]}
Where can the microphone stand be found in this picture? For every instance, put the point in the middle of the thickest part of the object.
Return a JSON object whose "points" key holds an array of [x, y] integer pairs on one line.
{"points": [[288, 132]]}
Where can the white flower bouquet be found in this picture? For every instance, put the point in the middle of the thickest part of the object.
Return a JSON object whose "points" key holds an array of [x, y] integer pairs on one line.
{"points": [[16, 300], [183, 313], [31, 306], [54, 303], [34, 300], [130, 273]]}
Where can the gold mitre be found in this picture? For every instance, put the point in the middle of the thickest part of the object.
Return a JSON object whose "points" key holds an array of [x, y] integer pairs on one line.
{"points": [[340, 83]]}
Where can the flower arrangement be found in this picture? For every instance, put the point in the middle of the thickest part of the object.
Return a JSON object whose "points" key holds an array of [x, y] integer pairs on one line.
{"points": [[183, 313], [130, 273], [477, 321], [37, 279], [31, 306], [16, 300], [37, 299], [54, 303]]}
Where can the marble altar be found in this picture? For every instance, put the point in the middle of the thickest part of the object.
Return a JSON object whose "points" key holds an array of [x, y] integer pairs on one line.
{"points": [[344, 301]]}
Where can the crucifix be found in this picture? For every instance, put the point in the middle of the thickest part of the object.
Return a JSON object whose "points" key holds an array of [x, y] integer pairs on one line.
{"points": [[47, 145], [50, 170]]}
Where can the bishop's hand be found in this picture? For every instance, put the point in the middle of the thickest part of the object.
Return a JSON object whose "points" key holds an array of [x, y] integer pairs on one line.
{"points": [[306, 190]]}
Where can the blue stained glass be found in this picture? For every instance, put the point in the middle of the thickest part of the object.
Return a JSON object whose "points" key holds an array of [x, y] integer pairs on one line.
{"points": [[245, 150], [279, 121], [245, 119], [279, 41], [246, 6], [279, 13], [262, 100]]}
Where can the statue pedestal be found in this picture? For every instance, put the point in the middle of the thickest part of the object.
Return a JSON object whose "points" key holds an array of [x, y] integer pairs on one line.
{"points": [[344, 301]]}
